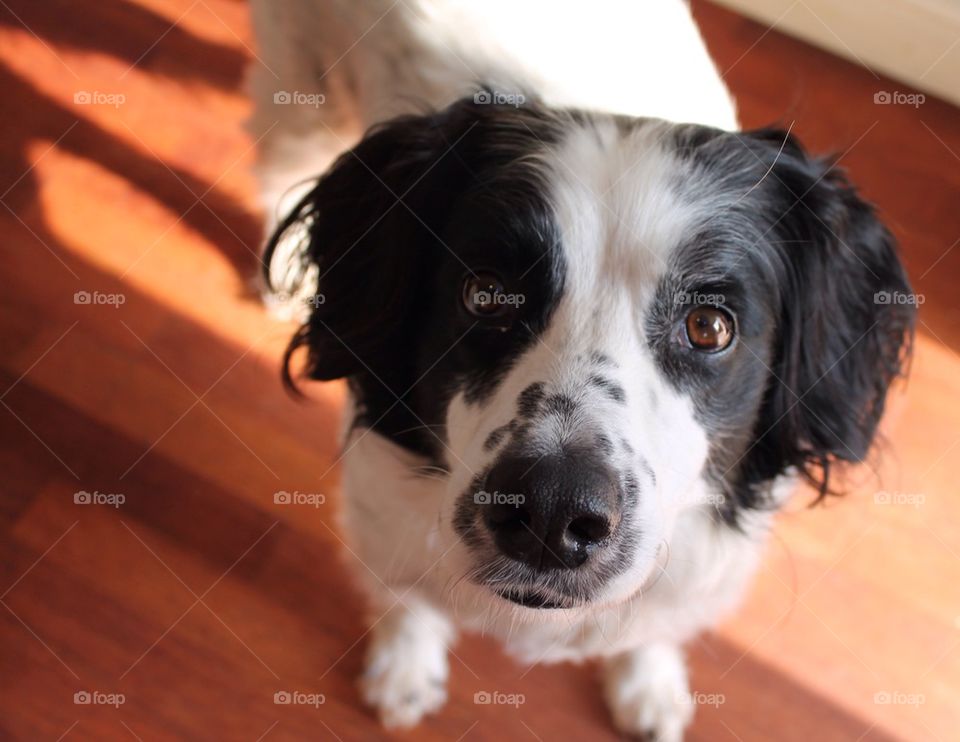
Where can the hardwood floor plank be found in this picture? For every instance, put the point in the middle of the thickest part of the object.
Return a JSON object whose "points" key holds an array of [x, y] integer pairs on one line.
{"points": [[856, 605]]}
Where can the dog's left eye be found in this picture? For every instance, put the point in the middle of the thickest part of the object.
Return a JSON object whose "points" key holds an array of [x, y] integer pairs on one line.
{"points": [[485, 297], [709, 329]]}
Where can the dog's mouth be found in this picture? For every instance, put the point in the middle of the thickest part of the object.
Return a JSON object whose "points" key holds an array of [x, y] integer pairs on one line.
{"points": [[534, 599]]}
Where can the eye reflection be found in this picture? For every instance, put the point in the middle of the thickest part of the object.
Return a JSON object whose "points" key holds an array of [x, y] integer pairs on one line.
{"points": [[709, 329], [485, 297]]}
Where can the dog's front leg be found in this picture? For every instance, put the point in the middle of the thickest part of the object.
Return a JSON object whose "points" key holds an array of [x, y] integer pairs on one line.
{"points": [[648, 693], [406, 669]]}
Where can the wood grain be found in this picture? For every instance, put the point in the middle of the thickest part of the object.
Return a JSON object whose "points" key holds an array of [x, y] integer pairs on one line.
{"points": [[199, 599]]}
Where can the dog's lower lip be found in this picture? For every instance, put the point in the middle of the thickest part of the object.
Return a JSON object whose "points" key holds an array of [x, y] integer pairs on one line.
{"points": [[530, 599]]}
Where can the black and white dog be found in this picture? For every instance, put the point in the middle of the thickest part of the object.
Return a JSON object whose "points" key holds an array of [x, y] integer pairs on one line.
{"points": [[588, 350]]}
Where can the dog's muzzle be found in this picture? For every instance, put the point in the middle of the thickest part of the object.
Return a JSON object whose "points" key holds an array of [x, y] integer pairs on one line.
{"points": [[552, 512]]}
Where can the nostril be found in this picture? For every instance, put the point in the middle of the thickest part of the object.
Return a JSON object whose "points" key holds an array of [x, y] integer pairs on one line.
{"points": [[512, 528], [588, 529]]}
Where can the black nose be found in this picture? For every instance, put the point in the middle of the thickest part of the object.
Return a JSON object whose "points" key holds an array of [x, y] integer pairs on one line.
{"points": [[550, 513]]}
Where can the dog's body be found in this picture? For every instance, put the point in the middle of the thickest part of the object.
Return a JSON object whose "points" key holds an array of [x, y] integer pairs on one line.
{"points": [[588, 353], [391, 523], [375, 59]]}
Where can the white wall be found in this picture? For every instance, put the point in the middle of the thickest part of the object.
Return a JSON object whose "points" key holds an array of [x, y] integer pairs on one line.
{"points": [[914, 41]]}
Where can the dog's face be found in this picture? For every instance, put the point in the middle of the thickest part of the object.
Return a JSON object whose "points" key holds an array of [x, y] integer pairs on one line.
{"points": [[590, 324]]}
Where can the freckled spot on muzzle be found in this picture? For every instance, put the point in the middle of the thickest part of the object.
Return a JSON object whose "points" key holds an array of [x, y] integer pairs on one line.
{"points": [[528, 403], [609, 387], [602, 359], [560, 404], [497, 436]]}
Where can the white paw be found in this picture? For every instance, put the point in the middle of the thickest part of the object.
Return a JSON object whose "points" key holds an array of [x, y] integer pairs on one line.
{"points": [[405, 676], [647, 693]]}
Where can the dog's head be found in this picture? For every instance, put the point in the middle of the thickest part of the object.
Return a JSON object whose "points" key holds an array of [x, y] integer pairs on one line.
{"points": [[593, 323]]}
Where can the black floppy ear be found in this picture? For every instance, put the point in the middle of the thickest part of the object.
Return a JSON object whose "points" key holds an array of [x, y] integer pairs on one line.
{"points": [[846, 315], [355, 246]]}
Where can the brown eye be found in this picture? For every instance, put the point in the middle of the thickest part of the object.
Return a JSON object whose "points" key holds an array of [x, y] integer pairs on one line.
{"points": [[484, 296], [709, 329]]}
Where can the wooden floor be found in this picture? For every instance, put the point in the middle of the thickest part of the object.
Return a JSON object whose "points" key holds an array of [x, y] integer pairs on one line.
{"points": [[198, 599]]}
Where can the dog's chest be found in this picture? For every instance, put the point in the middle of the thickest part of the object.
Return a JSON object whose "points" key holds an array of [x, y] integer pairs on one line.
{"points": [[392, 528]]}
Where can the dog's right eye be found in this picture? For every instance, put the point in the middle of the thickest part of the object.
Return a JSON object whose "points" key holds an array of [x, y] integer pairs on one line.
{"points": [[709, 329], [485, 297]]}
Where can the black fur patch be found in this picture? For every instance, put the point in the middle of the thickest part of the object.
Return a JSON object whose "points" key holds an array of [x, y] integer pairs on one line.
{"points": [[528, 403], [497, 436], [602, 359], [422, 202], [561, 405], [611, 388], [395, 228], [798, 258]]}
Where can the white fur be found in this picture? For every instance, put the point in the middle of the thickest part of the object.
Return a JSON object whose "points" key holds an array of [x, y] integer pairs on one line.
{"points": [[406, 671], [399, 524], [618, 229], [376, 59], [392, 524], [391, 520], [647, 692]]}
